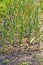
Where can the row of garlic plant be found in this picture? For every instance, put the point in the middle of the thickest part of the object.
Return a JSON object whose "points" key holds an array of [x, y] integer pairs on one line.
{"points": [[20, 13]]}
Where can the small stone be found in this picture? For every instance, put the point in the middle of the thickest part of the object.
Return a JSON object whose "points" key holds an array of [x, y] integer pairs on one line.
{"points": [[0, 31]]}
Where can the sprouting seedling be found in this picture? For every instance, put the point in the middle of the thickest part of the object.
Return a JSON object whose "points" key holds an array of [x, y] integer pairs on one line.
{"points": [[41, 36], [29, 31], [10, 24], [21, 27], [3, 34], [13, 27], [5, 61], [12, 30], [2, 37], [36, 24], [24, 63], [30, 25]]}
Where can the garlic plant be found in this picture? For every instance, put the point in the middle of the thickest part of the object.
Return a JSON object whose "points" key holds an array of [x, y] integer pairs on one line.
{"points": [[21, 28], [37, 25]]}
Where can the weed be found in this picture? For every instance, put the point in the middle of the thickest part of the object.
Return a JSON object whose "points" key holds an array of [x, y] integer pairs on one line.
{"points": [[41, 5]]}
